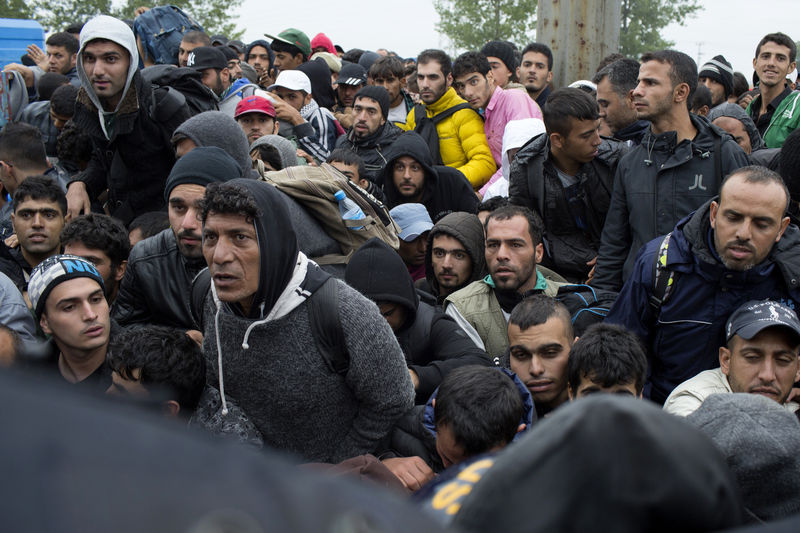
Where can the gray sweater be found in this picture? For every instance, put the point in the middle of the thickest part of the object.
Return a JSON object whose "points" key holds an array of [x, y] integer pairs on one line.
{"points": [[295, 401]]}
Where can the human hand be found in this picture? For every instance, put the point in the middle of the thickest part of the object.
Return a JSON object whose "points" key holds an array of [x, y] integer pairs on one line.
{"points": [[38, 56], [593, 264], [286, 112], [77, 200], [12, 241], [27, 74], [305, 155], [412, 472]]}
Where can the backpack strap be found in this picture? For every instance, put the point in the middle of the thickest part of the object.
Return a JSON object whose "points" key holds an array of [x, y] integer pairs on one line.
{"points": [[663, 278], [166, 102], [449, 111], [326, 326], [201, 284]]}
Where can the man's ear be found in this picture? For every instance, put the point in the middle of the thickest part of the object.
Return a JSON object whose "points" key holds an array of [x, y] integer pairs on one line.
{"points": [[308, 99], [784, 224], [449, 80], [681, 92], [712, 214], [556, 140], [73, 60], [171, 408], [433, 402], [570, 394], [549, 77], [45, 325], [539, 253], [629, 99], [120, 273], [275, 126], [521, 428], [724, 360], [403, 81]]}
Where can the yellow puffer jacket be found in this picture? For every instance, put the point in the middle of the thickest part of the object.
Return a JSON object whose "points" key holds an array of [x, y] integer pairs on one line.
{"points": [[462, 141]]}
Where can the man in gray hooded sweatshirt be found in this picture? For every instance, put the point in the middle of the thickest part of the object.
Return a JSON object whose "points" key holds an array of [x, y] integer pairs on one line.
{"points": [[129, 123]]}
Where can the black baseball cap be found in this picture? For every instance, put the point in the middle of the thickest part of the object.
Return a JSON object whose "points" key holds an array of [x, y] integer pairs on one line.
{"points": [[205, 57], [755, 316]]}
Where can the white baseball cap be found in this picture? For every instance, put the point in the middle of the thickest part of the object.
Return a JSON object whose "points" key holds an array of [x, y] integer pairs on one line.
{"points": [[294, 80]]}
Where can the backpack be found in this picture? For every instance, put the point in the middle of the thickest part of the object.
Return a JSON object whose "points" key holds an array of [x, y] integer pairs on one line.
{"points": [[175, 86], [323, 314], [313, 188], [426, 127], [586, 305], [663, 278], [160, 31]]}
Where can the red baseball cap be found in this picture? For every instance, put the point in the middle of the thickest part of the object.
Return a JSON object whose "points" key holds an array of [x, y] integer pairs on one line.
{"points": [[254, 104]]}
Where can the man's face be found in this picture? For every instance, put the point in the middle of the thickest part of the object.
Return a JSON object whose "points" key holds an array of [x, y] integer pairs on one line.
{"points": [[499, 70], [59, 59], [747, 222], [582, 141], [409, 177], [111, 274], [235, 69], [230, 246], [392, 86], [212, 78], [511, 255], [256, 125], [347, 93], [431, 82], [367, 117], [76, 315], [533, 72], [296, 99], [59, 121], [767, 364], [588, 386], [718, 95], [394, 313], [258, 59], [538, 356], [183, 51], [446, 446], [615, 111], [183, 210], [413, 251], [737, 130], [183, 147], [287, 61], [653, 97], [106, 65], [350, 172], [475, 88], [772, 64], [452, 265], [38, 225]]}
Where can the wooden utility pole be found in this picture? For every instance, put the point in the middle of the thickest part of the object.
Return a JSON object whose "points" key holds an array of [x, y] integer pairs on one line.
{"points": [[580, 33]]}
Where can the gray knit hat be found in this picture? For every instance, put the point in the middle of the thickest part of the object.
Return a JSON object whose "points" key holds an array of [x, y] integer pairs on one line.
{"points": [[215, 128], [284, 146], [54, 270], [760, 440], [735, 111], [719, 70]]}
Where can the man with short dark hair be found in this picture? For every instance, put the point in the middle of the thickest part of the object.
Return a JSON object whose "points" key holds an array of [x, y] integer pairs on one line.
{"points": [[351, 79], [684, 286], [566, 176], [615, 83], [389, 72], [774, 109], [760, 357], [191, 40], [256, 116], [513, 249], [259, 56], [372, 134], [103, 241], [59, 56], [679, 166], [717, 75], [461, 142], [292, 47], [269, 299], [540, 338], [535, 71], [216, 75], [609, 359]]}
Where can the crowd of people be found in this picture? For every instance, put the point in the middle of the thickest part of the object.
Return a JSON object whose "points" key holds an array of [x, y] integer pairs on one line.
{"points": [[447, 341]]}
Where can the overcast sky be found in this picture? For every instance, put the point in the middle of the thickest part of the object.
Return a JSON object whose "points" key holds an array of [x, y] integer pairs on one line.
{"points": [[730, 27]]}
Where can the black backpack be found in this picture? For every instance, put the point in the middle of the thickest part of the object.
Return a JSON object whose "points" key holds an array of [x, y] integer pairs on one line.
{"points": [[175, 86], [323, 313], [426, 127], [586, 305]]}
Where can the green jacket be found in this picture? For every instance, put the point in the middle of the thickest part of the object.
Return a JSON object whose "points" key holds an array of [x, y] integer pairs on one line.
{"points": [[784, 121]]}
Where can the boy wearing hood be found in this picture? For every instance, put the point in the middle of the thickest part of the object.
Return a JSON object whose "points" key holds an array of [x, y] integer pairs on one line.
{"points": [[129, 124], [410, 177], [258, 334]]}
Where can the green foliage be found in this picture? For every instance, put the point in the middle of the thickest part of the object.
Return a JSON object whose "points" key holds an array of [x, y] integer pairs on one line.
{"points": [[643, 20], [15, 9], [55, 15], [215, 16], [469, 24]]}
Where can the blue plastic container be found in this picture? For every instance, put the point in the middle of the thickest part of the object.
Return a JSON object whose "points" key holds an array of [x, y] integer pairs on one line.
{"points": [[15, 36]]}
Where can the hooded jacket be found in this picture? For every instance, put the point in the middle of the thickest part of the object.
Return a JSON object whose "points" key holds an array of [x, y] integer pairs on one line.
{"points": [[265, 44], [684, 339], [444, 191], [268, 362], [432, 342], [215, 128], [285, 147], [657, 184], [462, 140], [785, 119], [572, 227], [320, 76], [468, 230], [132, 154], [239, 89], [373, 150]]}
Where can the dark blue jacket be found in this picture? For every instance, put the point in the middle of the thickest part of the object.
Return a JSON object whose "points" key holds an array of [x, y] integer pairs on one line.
{"points": [[685, 337]]}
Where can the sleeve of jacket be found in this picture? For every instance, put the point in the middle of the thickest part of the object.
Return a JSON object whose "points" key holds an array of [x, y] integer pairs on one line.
{"points": [[378, 376], [632, 308], [733, 156], [466, 200], [616, 238], [317, 136], [95, 177], [410, 122], [480, 164], [130, 306], [519, 192], [451, 348]]}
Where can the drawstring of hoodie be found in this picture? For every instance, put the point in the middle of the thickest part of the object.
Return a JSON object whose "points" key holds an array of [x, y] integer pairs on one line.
{"points": [[251, 326], [219, 364]]}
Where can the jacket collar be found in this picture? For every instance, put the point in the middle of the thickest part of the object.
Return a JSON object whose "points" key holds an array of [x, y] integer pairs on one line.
{"points": [[448, 100]]}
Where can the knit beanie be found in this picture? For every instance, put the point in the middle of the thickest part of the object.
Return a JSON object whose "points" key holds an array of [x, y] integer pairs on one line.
{"points": [[377, 93], [54, 270], [719, 70], [201, 166], [760, 440], [367, 59], [285, 148], [324, 41], [502, 51], [215, 128], [727, 109]]}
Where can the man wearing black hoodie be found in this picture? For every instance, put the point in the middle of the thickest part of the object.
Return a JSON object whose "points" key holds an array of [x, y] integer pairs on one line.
{"points": [[431, 341], [262, 341], [410, 177]]}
